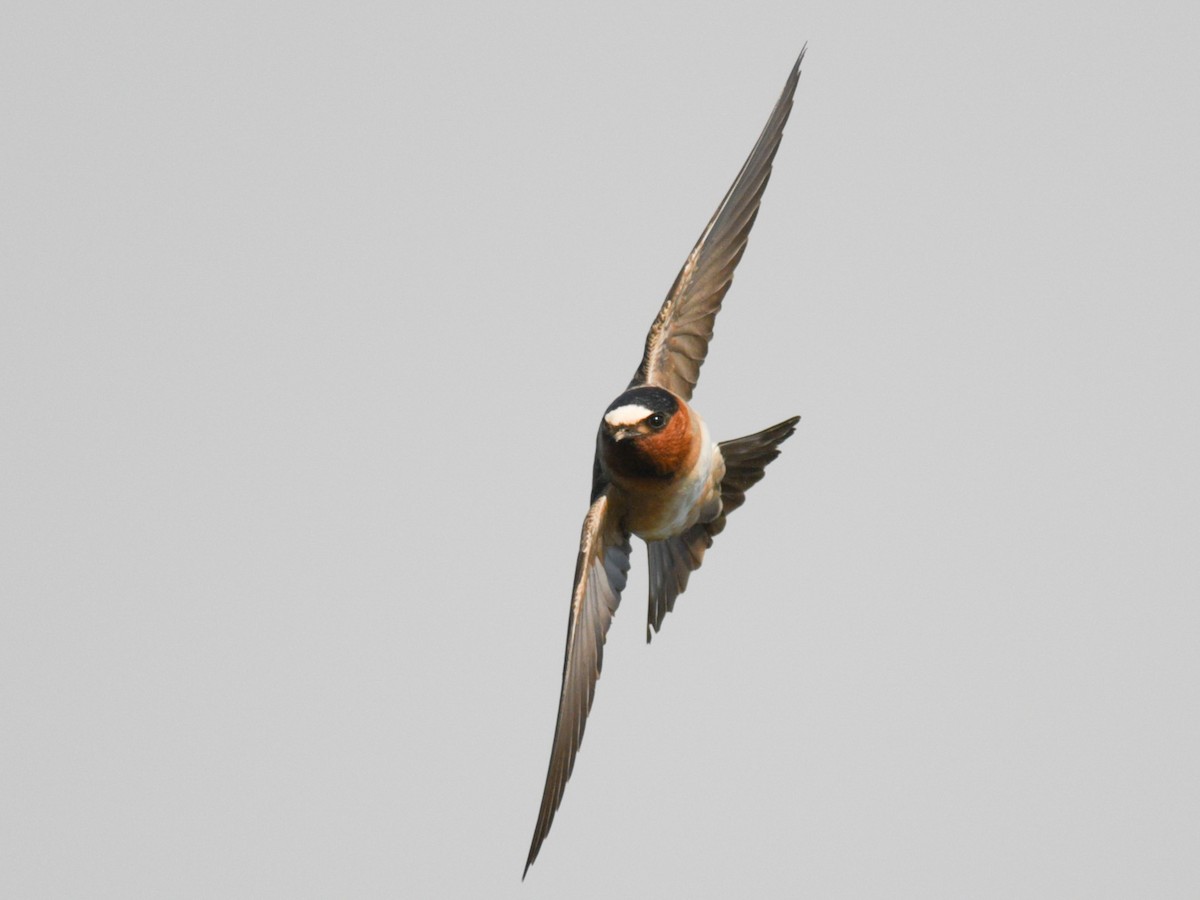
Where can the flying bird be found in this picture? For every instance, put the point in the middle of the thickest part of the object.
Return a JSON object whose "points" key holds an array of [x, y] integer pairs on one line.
{"points": [[657, 474]]}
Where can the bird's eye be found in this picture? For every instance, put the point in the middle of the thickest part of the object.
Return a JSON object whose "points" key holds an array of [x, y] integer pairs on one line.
{"points": [[658, 420]]}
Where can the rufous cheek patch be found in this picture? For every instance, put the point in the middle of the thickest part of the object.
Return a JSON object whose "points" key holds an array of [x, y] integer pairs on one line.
{"points": [[673, 447]]}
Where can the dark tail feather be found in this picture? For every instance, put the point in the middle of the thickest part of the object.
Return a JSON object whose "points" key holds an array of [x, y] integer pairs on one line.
{"points": [[673, 560]]}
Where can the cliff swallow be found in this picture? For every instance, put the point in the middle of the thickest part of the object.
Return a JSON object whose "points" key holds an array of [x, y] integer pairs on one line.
{"points": [[657, 473]]}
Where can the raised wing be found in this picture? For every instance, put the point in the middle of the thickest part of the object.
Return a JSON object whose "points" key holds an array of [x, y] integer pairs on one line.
{"points": [[678, 339], [599, 579]]}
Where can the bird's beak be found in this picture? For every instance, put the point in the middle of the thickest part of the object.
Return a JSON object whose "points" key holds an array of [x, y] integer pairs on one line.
{"points": [[621, 433]]}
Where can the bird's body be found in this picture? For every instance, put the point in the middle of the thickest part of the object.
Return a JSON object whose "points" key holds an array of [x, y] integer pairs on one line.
{"points": [[664, 481], [657, 473]]}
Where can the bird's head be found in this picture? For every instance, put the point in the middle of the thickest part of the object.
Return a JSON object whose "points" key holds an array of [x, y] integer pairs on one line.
{"points": [[646, 432]]}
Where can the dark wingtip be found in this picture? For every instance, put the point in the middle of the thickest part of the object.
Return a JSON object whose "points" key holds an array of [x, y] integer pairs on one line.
{"points": [[534, 847], [793, 79], [794, 75]]}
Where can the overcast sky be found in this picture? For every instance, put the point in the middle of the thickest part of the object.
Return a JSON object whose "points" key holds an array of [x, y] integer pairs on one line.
{"points": [[308, 314]]}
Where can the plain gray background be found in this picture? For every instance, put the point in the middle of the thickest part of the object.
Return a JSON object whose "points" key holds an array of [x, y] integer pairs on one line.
{"points": [[310, 312]]}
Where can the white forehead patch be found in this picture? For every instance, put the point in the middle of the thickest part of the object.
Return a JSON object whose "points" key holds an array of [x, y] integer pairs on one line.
{"points": [[630, 414]]}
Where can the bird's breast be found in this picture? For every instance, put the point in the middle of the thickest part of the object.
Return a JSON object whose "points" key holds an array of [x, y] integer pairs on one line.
{"points": [[661, 502]]}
